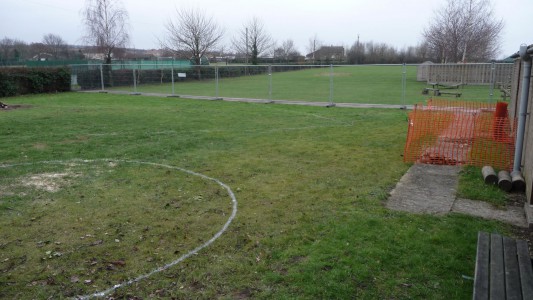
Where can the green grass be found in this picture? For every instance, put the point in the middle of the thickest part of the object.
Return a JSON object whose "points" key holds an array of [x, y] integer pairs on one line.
{"points": [[472, 186], [310, 183], [355, 84]]}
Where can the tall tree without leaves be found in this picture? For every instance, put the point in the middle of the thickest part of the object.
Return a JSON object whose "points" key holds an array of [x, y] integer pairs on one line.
{"points": [[464, 31], [253, 40], [287, 51], [55, 45], [106, 26], [192, 33]]}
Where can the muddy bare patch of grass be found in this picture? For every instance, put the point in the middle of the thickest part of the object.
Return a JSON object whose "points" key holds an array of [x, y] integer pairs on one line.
{"points": [[9, 107], [77, 229]]}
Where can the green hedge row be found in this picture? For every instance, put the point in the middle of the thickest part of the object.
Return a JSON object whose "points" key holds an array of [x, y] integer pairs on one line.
{"points": [[20, 81]]}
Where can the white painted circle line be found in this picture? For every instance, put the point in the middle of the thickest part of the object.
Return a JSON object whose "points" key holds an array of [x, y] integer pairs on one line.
{"points": [[173, 263]]}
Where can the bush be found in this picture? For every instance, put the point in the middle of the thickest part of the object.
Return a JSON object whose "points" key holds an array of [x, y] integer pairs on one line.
{"points": [[20, 81]]}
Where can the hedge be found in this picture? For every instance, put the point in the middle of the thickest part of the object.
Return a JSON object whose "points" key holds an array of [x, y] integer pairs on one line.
{"points": [[20, 81]]}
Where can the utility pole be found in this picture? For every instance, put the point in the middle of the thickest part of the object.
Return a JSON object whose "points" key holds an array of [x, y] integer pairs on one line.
{"points": [[246, 59]]}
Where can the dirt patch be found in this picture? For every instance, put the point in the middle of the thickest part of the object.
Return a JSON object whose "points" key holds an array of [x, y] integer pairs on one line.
{"points": [[50, 182], [7, 107], [40, 146]]}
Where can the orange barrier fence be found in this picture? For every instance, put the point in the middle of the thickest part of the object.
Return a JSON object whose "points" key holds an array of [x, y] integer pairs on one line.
{"points": [[449, 132]]}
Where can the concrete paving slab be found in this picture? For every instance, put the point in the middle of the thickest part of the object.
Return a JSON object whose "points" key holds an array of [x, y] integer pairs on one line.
{"points": [[426, 189], [431, 189]]}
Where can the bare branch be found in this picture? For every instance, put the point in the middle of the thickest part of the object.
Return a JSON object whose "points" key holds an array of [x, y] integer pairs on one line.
{"points": [[253, 40], [55, 45], [192, 33], [106, 25], [464, 31]]}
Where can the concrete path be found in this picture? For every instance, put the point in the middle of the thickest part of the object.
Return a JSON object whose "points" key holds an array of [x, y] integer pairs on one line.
{"points": [[431, 189], [266, 101]]}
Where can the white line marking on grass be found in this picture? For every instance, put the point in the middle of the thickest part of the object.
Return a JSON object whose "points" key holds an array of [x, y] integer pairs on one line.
{"points": [[173, 263]]}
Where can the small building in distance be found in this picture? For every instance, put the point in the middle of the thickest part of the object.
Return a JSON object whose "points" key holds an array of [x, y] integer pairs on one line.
{"points": [[327, 54]]}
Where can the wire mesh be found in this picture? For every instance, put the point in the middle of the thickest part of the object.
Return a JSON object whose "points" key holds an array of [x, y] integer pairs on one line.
{"points": [[369, 84]]}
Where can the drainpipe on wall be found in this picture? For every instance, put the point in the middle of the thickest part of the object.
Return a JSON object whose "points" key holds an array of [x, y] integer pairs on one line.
{"points": [[522, 113]]}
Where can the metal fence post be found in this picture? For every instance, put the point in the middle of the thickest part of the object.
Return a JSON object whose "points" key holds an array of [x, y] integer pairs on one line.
{"points": [[270, 84], [216, 84], [172, 78], [330, 104], [134, 83], [404, 83], [102, 78], [492, 81]]}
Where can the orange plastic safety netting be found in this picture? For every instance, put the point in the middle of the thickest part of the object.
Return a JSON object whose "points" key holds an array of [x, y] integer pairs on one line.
{"points": [[449, 132]]}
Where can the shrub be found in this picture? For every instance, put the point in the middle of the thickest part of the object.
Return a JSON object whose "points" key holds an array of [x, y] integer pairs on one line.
{"points": [[20, 81]]}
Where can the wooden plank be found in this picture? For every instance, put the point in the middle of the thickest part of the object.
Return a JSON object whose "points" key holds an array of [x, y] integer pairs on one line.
{"points": [[512, 273], [497, 271], [526, 271], [481, 277]]}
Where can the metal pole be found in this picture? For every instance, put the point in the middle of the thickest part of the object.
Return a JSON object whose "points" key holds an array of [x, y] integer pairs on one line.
{"points": [[492, 80], [404, 75], [246, 58], [216, 84], [172, 77], [330, 104], [102, 77], [270, 84], [522, 113], [134, 84]]}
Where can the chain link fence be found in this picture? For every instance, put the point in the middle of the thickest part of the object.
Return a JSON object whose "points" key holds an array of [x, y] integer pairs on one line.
{"points": [[372, 84]]}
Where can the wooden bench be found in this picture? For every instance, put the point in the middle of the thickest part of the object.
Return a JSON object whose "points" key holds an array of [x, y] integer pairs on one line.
{"points": [[438, 87], [440, 93], [503, 268], [425, 91], [442, 86]]}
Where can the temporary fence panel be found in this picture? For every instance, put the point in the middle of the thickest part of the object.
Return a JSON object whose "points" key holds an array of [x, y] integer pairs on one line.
{"points": [[461, 133], [369, 84], [476, 74]]}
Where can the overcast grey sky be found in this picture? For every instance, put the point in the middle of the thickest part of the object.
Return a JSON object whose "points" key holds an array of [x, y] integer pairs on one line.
{"points": [[336, 22]]}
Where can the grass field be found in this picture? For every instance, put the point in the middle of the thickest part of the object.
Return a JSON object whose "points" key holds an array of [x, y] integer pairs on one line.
{"points": [[91, 196], [354, 84]]}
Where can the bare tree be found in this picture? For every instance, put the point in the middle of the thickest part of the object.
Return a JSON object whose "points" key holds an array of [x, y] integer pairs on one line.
{"points": [[106, 26], [55, 45], [464, 31], [192, 33], [253, 40], [313, 46], [13, 49], [287, 51]]}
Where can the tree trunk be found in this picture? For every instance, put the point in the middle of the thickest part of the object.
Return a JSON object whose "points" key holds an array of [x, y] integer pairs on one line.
{"points": [[108, 71]]}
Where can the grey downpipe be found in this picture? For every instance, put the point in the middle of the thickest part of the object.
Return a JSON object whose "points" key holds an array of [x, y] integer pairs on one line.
{"points": [[522, 113]]}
